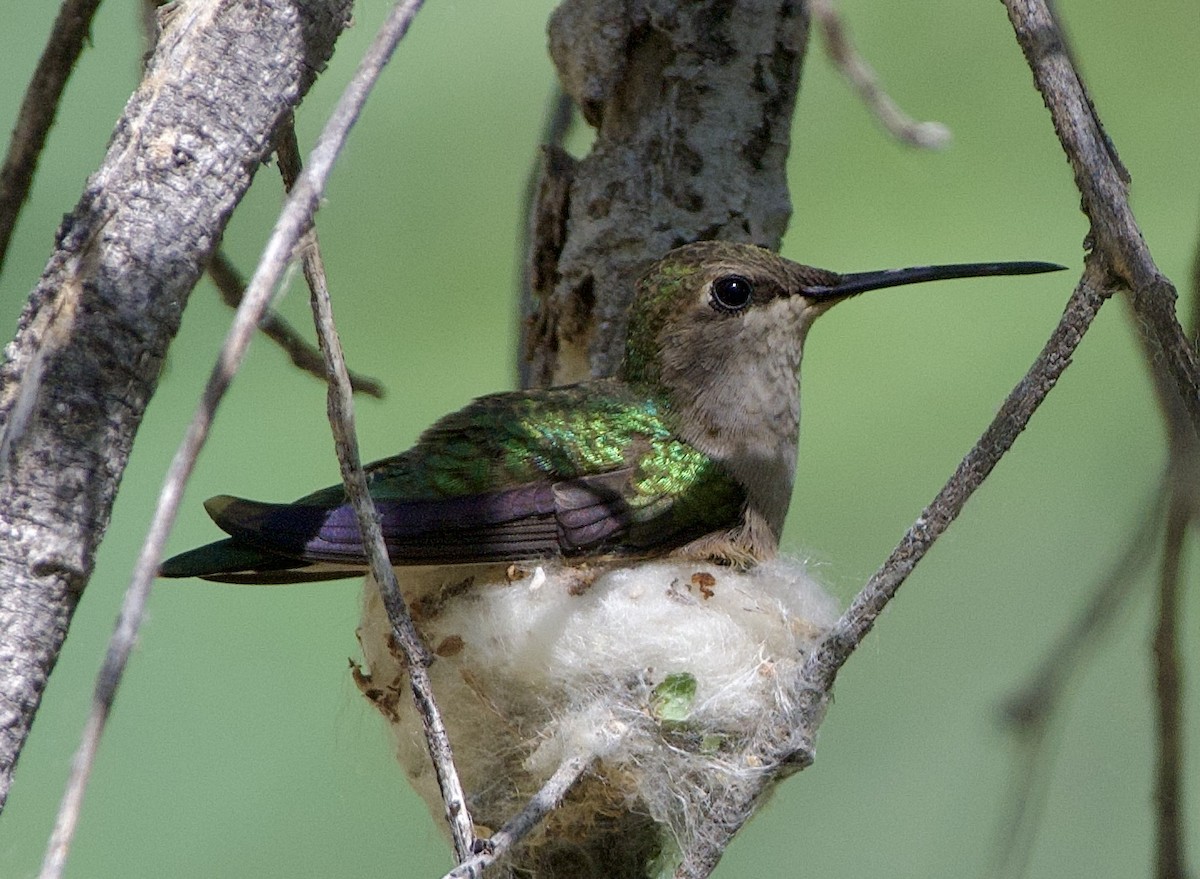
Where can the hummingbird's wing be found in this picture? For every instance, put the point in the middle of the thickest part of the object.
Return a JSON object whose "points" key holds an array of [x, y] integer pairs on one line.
{"points": [[588, 470]]}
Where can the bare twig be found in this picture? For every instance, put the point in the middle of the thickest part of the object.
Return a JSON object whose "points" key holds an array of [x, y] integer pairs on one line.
{"points": [[1032, 705], [291, 225], [341, 422], [822, 667], [1032, 709], [815, 683], [538, 807], [230, 284], [38, 108], [1024, 801], [1103, 184], [1168, 680], [843, 56]]}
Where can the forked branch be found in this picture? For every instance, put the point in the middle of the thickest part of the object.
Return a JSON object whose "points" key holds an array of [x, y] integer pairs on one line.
{"points": [[345, 440], [1120, 261], [293, 222]]}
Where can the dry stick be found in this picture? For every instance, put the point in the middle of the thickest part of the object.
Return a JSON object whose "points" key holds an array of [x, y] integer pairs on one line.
{"points": [[341, 420], [416, 655], [231, 285], [1031, 709], [292, 223], [815, 683], [1168, 686], [1024, 803], [1102, 182], [1103, 185], [37, 111], [1031, 706], [519, 826], [843, 56], [822, 666]]}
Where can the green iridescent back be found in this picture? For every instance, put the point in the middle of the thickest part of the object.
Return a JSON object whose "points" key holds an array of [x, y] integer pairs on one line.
{"points": [[510, 439]]}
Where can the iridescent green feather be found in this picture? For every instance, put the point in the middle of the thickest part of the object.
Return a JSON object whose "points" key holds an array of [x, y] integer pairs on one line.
{"points": [[505, 440]]}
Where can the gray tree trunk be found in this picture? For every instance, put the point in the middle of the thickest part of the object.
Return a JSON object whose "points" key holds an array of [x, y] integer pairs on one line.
{"points": [[692, 104], [90, 344]]}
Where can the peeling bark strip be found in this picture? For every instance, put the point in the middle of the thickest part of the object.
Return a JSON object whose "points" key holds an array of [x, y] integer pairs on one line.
{"points": [[91, 341], [692, 103]]}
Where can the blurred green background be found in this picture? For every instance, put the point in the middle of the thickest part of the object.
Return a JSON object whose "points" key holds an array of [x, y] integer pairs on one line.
{"points": [[240, 746]]}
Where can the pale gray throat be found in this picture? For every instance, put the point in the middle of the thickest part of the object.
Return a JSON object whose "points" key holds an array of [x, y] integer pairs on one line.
{"points": [[742, 407]]}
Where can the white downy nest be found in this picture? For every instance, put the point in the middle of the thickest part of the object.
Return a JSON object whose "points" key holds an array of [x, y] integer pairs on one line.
{"points": [[666, 672]]}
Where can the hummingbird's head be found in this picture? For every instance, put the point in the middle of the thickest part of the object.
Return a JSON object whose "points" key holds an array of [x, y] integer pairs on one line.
{"points": [[705, 303], [718, 330]]}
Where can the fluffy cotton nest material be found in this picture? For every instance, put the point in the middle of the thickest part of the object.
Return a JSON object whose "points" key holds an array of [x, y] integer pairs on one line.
{"points": [[664, 671]]}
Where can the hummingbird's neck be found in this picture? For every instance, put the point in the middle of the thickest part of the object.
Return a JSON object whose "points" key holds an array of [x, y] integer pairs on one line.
{"points": [[742, 408]]}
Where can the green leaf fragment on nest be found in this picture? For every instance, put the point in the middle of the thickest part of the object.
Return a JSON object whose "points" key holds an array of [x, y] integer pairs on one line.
{"points": [[672, 700]]}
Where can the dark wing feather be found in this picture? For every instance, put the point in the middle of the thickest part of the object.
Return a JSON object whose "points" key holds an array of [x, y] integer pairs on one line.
{"points": [[565, 518], [589, 469], [516, 523]]}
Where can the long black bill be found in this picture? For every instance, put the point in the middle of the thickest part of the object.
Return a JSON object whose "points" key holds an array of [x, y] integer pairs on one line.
{"points": [[854, 283]]}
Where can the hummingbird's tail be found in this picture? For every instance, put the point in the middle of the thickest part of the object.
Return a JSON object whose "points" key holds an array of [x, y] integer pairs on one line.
{"points": [[230, 561]]}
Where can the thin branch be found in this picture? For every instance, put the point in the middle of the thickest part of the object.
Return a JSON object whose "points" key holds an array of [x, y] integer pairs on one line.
{"points": [[1032, 705], [856, 70], [38, 108], [341, 421], [305, 356], [1031, 710], [814, 686], [822, 666], [539, 806], [1025, 802], [1103, 184], [1168, 690], [291, 225]]}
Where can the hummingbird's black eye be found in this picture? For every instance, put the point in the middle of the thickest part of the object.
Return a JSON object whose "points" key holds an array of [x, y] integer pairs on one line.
{"points": [[731, 293]]}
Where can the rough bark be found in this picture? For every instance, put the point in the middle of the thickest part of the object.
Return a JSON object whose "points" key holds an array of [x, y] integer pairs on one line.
{"points": [[91, 341], [692, 103]]}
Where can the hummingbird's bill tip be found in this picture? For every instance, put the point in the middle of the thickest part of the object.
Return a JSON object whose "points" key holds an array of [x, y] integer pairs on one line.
{"points": [[1031, 267]]}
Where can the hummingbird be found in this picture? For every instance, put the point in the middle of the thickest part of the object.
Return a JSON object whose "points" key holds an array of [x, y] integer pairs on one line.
{"points": [[689, 451]]}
